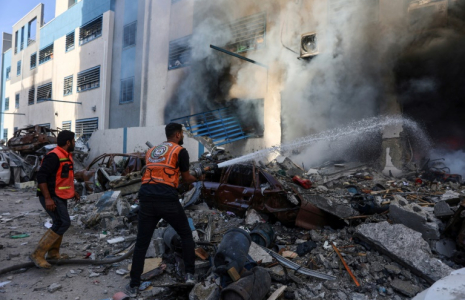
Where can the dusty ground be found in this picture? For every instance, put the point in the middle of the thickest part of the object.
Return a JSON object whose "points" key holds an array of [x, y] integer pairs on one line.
{"points": [[33, 283]]}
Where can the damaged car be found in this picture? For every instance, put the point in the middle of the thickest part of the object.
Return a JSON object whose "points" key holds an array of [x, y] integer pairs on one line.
{"points": [[29, 139]]}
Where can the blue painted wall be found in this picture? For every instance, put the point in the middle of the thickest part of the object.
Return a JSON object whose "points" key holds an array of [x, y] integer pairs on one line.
{"points": [[81, 13], [128, 55], [130, 11], [6, 63]]}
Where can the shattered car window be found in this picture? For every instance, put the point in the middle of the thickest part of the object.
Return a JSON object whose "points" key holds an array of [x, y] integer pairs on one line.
{"points": [[241, 175]]}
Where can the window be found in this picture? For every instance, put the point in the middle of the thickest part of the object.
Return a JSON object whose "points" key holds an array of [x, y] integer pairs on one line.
{"points": [[70, 41], [129, 35], [17, 101], [15, 129], [85, 127], [31, 32], [88, 79], [248, 33], [33, 60], [30, 96], [180, 53], [7, 104], [68, 86], [21, 46], [90, 31], [44, 92], [46, 125], [66, 125], [5, 134], [8, 71], [127, 90], [46, 54], [18, 68], [16, 42]]}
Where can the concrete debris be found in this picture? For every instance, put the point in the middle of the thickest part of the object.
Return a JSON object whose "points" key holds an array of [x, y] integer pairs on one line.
{"points": [[207, 290], [258, 254], [54, 287], [442, 209], [405, 287]]}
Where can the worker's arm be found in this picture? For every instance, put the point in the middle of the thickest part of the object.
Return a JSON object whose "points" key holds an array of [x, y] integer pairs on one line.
{"points": [[49, 203], [47, 170], [183, 159]]}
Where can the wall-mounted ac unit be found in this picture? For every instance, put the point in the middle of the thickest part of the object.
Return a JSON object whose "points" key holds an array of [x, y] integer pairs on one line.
{"points": [[308, 45]]}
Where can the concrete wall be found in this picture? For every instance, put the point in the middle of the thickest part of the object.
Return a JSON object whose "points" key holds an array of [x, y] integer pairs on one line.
{"points": [[116, 141]]}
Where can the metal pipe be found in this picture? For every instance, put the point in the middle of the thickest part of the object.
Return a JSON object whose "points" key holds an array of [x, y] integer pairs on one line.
{"points": [[238, 56], [51, 100]]}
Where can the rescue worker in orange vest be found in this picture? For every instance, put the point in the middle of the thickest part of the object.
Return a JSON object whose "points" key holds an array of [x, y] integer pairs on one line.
{"points": [[55, 180], [158, 198]]}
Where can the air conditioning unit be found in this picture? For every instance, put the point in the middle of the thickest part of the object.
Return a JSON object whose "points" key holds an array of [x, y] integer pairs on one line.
{"points": [[308, 45]]}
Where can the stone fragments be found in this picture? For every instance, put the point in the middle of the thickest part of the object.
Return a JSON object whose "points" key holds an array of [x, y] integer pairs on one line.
{"points": [[405, 287], [54, 287], [406, 246], [208, 290]]}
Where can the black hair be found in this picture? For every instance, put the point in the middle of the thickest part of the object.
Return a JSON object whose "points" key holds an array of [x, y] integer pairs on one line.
{"points": [[64, 136], [171, 129]]}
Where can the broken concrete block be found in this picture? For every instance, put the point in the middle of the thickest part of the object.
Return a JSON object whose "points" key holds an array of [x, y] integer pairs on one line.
{"points": [[393, 269], [208, 290], [257, 253], [54, 287], [123, 207], [94, 197], [405, 287], [413, 216], [252, 217], [405, 246], [448, 195], [442, 209], [107, 201]]}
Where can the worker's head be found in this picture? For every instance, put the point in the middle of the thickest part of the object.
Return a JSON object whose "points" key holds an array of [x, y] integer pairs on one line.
{"points": [[174, 133], [65, 140]]}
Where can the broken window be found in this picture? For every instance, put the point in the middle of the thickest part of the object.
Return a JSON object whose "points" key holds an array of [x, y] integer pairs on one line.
{"points": [[250, 114], [179, 53], [17, 101], [127, 90], [90, 30], [8, 71], [44, 92], [68, 85], [88, 79], [66, 125], [33, 60], [31, 31], [18, 68], [247, 33], [7, 104], [70, 41], [46, 54], [85, 127], [129, 35], [30, 96], [241, 175]]}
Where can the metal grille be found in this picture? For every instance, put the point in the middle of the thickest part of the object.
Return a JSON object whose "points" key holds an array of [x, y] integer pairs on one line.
{"points": [[8, 71], [17, 101], [68, 86], [70, 41], [127, 90], [248, 33], [46, 54], [66, 125], [88, 79], [30, 96], [90, 31], [7, 103], [44, 92], [85, 127], [129, 35], [18, 68], [180, 53], [33, 60]]}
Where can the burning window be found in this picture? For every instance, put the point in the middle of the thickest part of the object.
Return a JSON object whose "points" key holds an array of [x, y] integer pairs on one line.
{"points": [[250, 114], [44, 92], [180, 53], [68, 86], [88, 79], [85, 127], [30, 96], [90, 30], [46, 54], [69, 41], [129, 35], [127, 90], [33, 61], [247, 33]]}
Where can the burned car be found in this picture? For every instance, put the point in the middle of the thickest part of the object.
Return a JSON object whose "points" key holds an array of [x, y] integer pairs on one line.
{"points": [[115, 171], [29, 139]]}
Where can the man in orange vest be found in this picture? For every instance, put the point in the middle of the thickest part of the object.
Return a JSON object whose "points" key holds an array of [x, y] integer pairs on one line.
{"points": [[55, 180], [158, 198]]}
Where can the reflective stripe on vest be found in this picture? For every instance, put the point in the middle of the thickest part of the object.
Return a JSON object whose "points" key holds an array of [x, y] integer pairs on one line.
{"points": [[162, 165]]}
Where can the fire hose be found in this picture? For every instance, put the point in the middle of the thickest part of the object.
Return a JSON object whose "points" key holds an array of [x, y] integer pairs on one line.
{"points": [[71, 262]]}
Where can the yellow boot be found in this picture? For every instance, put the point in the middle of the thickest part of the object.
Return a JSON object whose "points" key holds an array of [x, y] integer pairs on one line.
{"points": [[54, 252], [45, 243]]}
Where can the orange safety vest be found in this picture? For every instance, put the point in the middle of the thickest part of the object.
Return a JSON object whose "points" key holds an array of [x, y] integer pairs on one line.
{"points": [[64, 179], [162, 165]]}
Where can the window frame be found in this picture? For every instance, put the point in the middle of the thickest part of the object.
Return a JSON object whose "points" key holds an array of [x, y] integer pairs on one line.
{"points": [[40, 100], [71, 87], [8, 73], [66, 122], [33, 96], [121, 91], [18, 68], [93, 36], [73, 33], [181, 46], [127, 26], [17, 97], [7, 103], [48, 57], [83, 73], [35, 61]]}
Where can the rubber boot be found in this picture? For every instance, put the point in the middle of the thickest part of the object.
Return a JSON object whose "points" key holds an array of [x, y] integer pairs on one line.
{"points": [[54, 252], [45, 243]]}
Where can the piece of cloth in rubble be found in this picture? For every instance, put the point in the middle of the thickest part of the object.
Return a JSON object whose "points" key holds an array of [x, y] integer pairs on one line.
{"points": [[164, 191]]}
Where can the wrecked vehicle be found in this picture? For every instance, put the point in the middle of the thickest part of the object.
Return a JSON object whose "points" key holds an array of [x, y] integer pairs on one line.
{"points": [[115, 171], [29, 139]]}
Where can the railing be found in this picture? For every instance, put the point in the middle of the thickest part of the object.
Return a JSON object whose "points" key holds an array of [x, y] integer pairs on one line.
{"points": [[221, 125]]}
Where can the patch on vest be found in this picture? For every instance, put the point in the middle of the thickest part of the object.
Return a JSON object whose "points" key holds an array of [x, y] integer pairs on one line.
{"points": [[160, 150]]}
